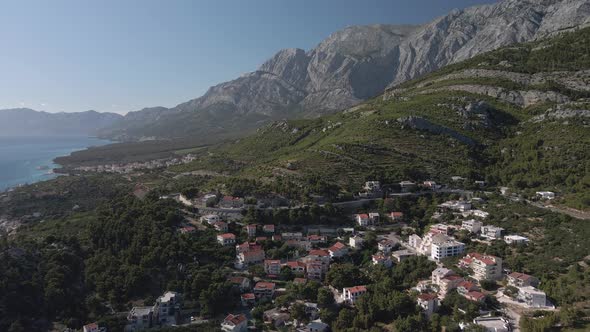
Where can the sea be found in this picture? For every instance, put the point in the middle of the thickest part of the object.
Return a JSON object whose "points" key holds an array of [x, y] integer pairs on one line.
{"points": [[26, 160]]}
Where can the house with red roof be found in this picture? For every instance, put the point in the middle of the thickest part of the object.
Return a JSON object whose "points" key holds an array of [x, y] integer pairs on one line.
{"points": [[351, 294], [428, 302], [251, 230], [317, 239], [188, 230], [396, 216], [272, 267], [229, 202], [465, 287], [484, 267], [242, 283], [518, 279], [226, 239], [296, 267], [270, 228], [339, 249], [363, 219], [248, 299], [235, 323], [264, 289], [92, 327], [300, 281], [475, 296], [248, 246], [250, 257]]}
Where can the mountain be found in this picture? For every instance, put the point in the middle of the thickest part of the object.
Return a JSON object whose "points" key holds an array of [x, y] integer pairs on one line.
{"points": [[28, 122], [350, 66], [517, 117]]}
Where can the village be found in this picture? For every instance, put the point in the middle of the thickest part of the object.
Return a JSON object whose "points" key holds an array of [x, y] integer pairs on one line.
{"points": [[476, 277]]}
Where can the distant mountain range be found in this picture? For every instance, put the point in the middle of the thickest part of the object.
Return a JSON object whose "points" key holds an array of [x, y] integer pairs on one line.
{"points": [[28, 122], [350, 66]]}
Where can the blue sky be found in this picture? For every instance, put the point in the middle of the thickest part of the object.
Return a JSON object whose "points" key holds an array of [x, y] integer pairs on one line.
{"points": [[123, 55]]}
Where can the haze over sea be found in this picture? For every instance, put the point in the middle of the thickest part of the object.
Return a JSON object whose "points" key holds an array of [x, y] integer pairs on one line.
{"points": [[30, 159]]}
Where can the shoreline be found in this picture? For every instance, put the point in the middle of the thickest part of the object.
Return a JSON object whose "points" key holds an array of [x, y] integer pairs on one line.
{"points": [[40, 171]]}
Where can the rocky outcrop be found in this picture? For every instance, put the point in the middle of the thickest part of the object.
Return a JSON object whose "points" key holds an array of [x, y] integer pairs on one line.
{"points": [[578, 81], [561, 113], [419, 123], [520, 98]]}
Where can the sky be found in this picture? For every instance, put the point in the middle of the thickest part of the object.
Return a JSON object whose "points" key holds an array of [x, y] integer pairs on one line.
{"points": [[124, 55]]}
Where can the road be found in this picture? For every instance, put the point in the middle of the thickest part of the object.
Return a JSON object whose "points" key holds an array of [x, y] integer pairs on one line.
{"points": [[565, 210]]}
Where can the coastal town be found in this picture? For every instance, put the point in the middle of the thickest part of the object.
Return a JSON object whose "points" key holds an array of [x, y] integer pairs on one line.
{"points": [[499, 295]]}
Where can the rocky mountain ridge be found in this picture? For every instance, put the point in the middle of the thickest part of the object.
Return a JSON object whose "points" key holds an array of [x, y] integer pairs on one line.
{"points": [[355, 64]]}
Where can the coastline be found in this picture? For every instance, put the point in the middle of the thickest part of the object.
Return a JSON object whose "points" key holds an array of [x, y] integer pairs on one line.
{"points": [[28, 160]]}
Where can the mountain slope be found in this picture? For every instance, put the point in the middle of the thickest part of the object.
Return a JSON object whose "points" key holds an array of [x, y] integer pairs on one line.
{"points": [[353, 65], [518, 116], [27, 122]]}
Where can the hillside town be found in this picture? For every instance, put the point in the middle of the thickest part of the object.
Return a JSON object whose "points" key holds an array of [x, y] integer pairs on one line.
{"points": [[311, 254]]}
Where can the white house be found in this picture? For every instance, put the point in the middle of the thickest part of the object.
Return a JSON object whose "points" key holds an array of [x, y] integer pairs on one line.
{"points": [[472, 225], [92, 327], [380, 259], [363, 219], [140, 318], [485, 267], [532, 297], [428, 302], [351, 294], [546, 194], [210, 218], [518, 279], [385, 246], [226, 239], [444, 246], [403, 254], [491, 232], [515, 239], [165, 308], [356, 242]]}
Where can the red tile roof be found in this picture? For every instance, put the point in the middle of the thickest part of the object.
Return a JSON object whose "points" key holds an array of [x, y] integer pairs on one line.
{"points": [[318, 252], [295, 264], [248, 296], [357, 289], [236, 280], [475, 295], [363, 216], [397, 214], [264, 285], [227, 236], [300, 280], [235, 319], [337, 246]]}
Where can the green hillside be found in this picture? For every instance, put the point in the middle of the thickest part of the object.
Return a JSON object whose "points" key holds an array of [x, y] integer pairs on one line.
{"points": [[517, 117]]}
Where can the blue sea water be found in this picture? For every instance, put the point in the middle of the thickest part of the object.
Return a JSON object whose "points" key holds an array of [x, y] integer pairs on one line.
{"points": [[25, 160]]}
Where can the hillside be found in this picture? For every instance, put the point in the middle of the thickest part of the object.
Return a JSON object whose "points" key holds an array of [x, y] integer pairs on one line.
{"points": [[517, 116], [348, 67]]}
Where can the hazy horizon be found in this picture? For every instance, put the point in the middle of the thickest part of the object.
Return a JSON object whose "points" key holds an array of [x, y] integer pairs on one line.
{"points": [[67, 56]]}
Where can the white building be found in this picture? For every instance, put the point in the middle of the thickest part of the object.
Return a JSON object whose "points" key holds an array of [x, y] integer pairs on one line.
{"points": [[385, 246], [351, 294], [546, 194], [532, 297], [166, 307], [226, 239], [356, 242], [445, 246], [491, 232], [339, 249], [380, 259], [485, 267], [210, 218], [428, 302], [403, 254], [472, 225], [515, 239], [363, 219], [140, 318], [372, 186]]}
